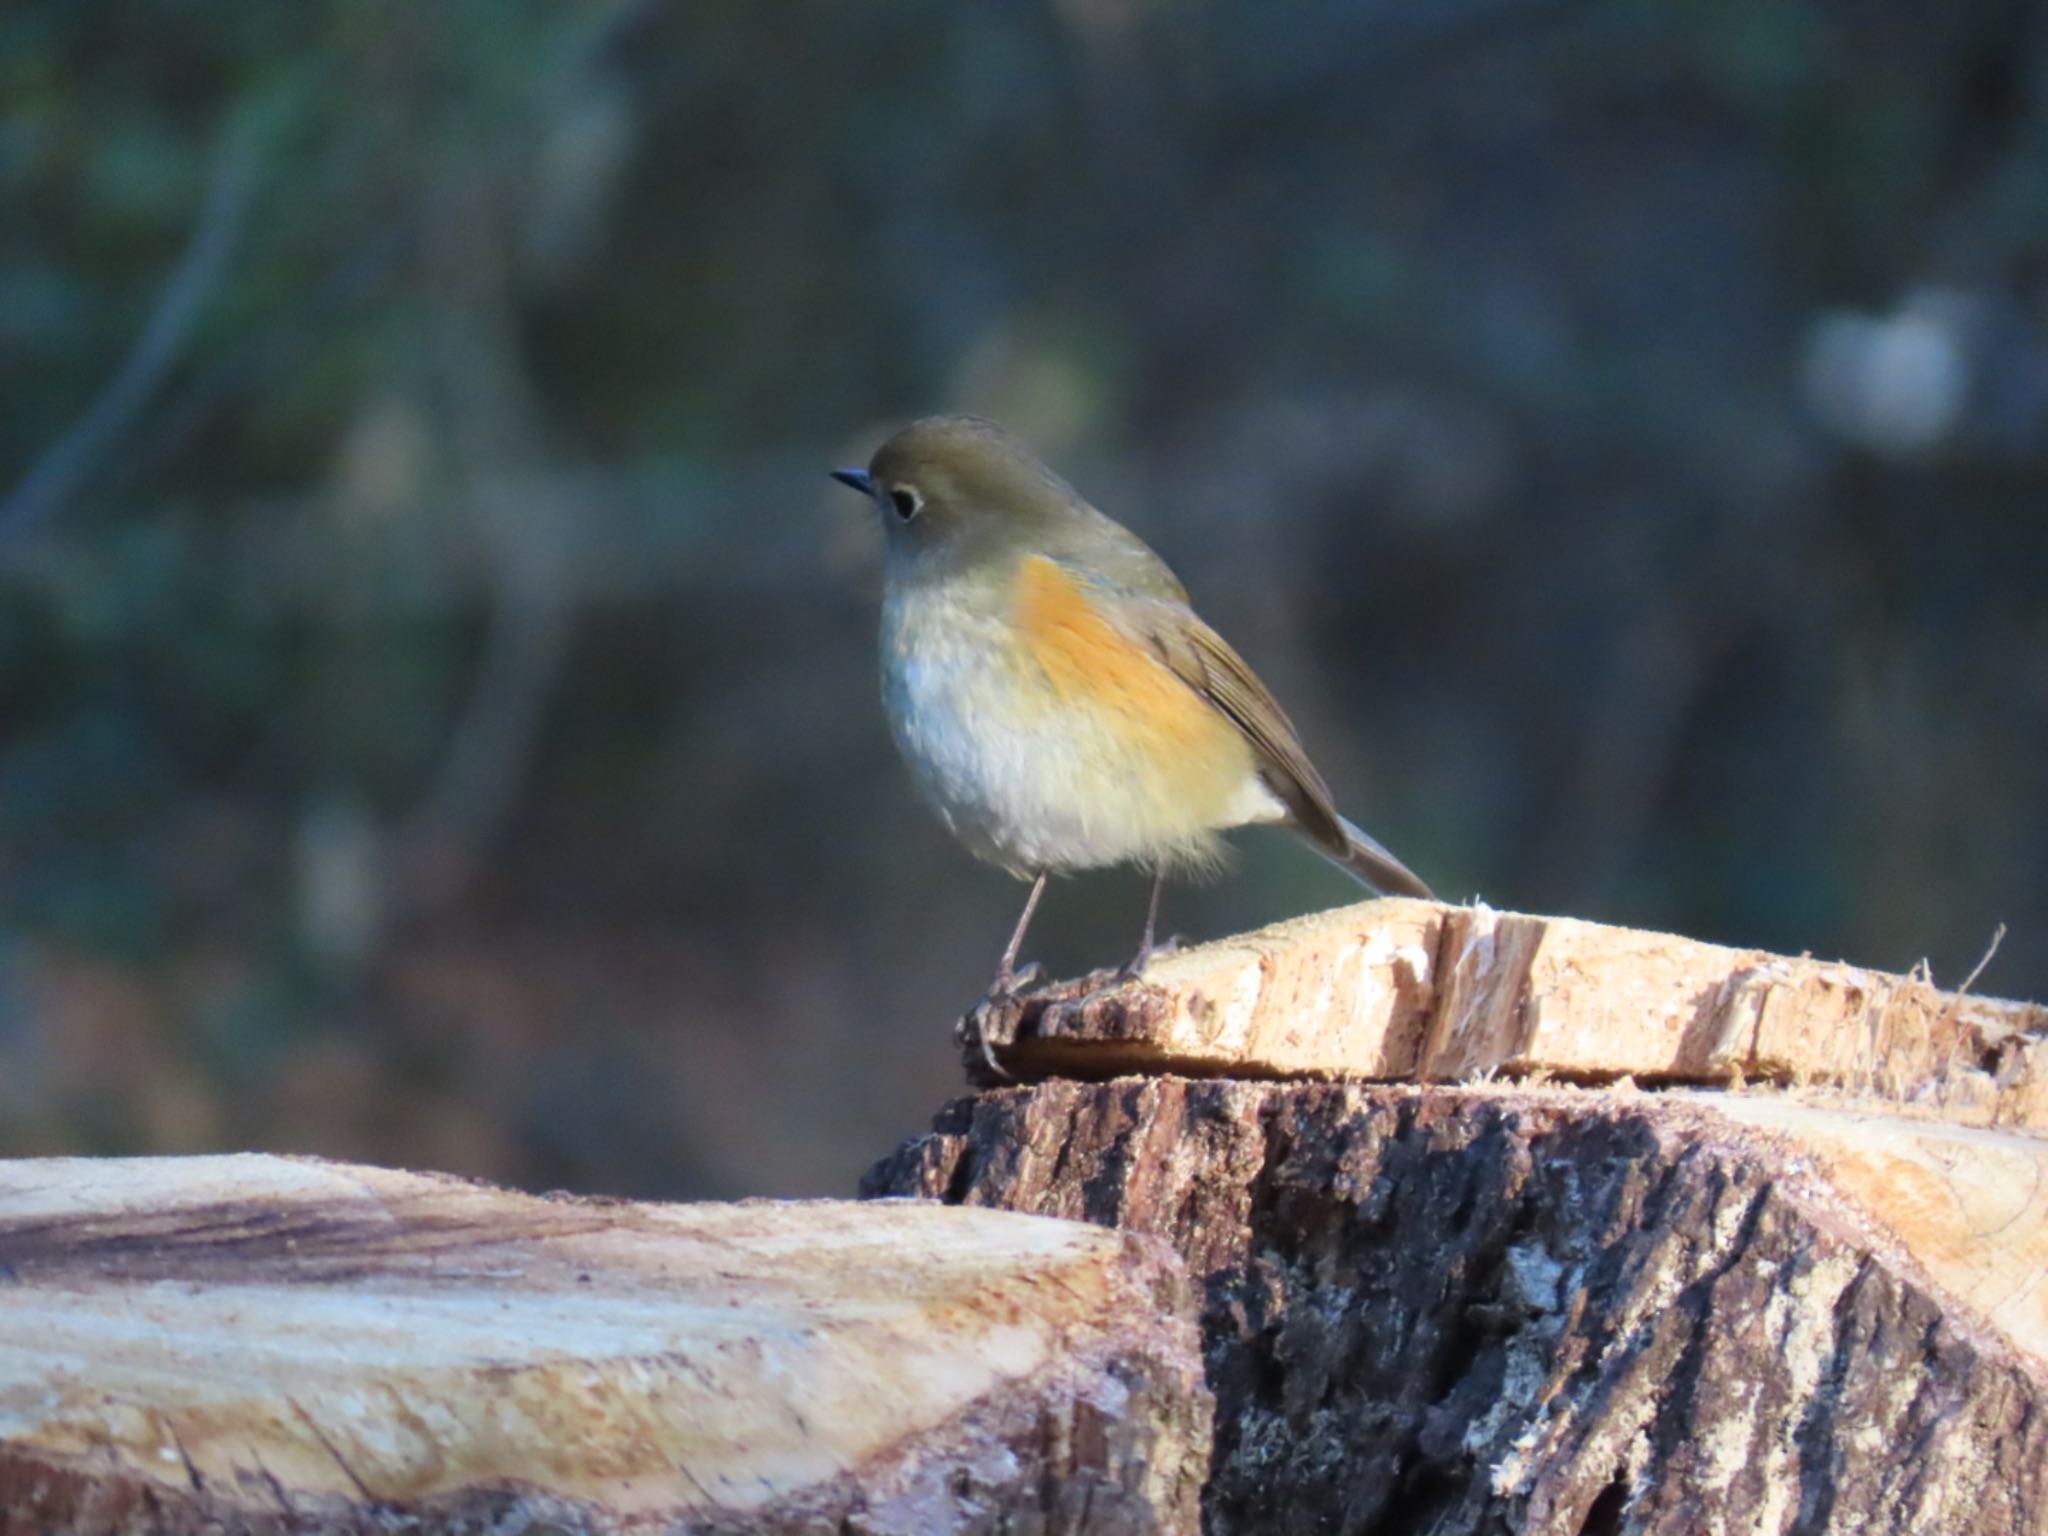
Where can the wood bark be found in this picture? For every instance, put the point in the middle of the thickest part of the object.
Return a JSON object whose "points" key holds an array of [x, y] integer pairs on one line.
{"points": [[254, 1344], [1463, 1310], [1813, 1300], [1412, 990]]}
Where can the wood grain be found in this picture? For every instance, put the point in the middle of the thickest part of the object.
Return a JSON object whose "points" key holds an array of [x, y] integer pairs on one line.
{"points": [[1412, 990], [295, 1345]]}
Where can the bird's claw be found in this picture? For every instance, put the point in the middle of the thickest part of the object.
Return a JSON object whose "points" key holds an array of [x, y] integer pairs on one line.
{"points": [[1009, 985], [1134, 967]]}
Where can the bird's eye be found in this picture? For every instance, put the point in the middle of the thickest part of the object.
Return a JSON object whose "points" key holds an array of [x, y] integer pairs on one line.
{"points": [[906, 502]]}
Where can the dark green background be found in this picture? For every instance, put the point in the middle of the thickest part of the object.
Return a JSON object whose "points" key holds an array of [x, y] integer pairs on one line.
{"points": [[437, 705]]}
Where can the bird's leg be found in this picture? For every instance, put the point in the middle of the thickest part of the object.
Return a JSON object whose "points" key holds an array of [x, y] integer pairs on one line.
{"points": [[1008, 983], [1008, 978], [1136, 965]]}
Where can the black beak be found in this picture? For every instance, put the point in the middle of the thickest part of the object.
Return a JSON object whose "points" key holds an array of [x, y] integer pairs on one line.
{"points": [[857, 478]]}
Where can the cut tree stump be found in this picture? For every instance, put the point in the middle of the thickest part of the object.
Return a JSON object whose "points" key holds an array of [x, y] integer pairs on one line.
{"points": [[1496, 1306], [1566, 1310], [1440, 1291], [254, 1344], [1401, 990]]}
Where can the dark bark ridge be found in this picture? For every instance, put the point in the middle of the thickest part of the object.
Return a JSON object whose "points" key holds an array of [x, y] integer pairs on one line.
{"points": [[1449, 1311]]}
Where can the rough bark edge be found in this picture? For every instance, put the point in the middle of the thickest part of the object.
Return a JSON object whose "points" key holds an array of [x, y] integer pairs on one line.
{"points": [[1961, 1418], [1401, 990]]}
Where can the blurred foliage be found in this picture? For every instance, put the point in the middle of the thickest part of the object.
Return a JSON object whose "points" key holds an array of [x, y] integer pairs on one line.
{"points": [[437, 720]]}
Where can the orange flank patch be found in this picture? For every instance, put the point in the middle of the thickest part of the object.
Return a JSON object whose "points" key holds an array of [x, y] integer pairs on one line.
{"points": [[1086, 661]]}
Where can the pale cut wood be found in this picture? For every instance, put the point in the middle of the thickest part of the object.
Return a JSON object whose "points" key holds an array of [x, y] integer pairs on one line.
{"points": [[1566, 1310], [1961, 1209], [261, 1344], [1399, 989]]}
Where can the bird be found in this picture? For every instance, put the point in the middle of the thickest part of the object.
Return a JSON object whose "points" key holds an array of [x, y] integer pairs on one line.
{"points": [[1058, 700]]}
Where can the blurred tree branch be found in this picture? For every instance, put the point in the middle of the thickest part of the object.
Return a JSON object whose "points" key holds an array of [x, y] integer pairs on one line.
{"points": [[497, 426], [198, 276]]}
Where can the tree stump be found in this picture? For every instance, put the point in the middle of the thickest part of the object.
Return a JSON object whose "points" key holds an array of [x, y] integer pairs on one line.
{"points": [[1525, 1306], [255, 1344], [1497, 1224], [1406, 991]]}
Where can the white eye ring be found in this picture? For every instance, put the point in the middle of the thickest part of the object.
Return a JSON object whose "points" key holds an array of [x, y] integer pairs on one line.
{"points": [[906, 501]]}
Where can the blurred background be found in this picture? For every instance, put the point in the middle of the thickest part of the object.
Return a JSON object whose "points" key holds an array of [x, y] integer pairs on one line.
{"points": [[438, 716]]}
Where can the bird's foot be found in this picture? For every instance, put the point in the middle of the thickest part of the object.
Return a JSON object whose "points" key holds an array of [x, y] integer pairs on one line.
{"points": [[1134, 967], [1008, 986]]}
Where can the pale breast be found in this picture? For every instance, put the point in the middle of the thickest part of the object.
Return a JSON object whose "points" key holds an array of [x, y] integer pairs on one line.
{"points": [[1038, 755]]}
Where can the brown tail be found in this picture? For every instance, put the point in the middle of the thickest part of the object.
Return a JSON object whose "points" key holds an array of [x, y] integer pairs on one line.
{"points": [[1369, 862]]}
